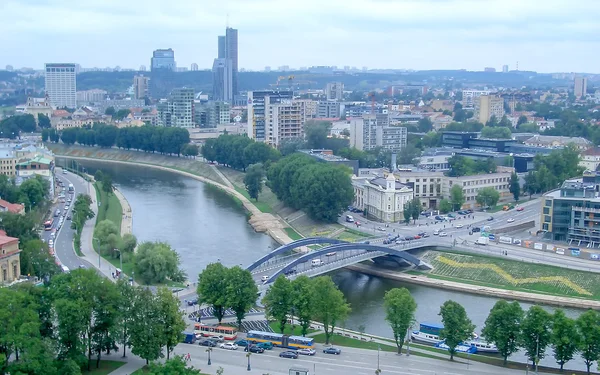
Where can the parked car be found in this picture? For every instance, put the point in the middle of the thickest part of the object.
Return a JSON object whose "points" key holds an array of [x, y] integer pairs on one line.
{"points": [[408, 238], [381, 229], [417, 237], [254, 349], [242, 343], [217, 338], [332, 350], [68, 217], [306, 351], [207, 342], [451, 215], [443, 234], [265, 278], [436, 232], [289, 354], [228, 346]]}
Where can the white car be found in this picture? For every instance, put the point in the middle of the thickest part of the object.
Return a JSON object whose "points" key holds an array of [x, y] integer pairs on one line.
{"points": [[459, 226], [307, 351], [436, 232], [443, 234], [510, 220], [50, 243], [265, 278], [330, 254], [382, 229], [228, 346]]}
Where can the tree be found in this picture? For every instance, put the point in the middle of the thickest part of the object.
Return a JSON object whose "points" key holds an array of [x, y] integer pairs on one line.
{"points": [[565, 338], [415, 208], [44, 121], [107, 184], [457, 197], [316, 132], [457, 325], [253, 180], [329, 304], [278, 301], [173, 366], [502, 327], [536, 334], [498, 132], [445, 206], [588, 330], [406, 212], [110, 111], [515, 186], [242, 292], [487, 197], [36, 260], [408, 154], [425, 125], [522, 120], [301, 301], [530, 186], [127, 296], [157, 262], [212, 288], [145, 328], [105, 232], [170, 318], [400, 309], [128, 243], [121, 114]]}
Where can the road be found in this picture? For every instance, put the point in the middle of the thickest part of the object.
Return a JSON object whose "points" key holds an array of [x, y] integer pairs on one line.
{"points": [[63, 243], [351, 361]]}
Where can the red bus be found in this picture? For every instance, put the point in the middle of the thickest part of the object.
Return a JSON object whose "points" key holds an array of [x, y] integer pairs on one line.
{"points": [[207, 330], [48, 224]]}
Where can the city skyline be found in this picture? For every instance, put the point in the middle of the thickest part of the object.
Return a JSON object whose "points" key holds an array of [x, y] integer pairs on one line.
{"points": [[430, 34]]}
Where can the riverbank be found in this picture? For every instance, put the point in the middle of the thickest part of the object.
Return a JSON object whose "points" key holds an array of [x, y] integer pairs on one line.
{"points": [[476, 289]]}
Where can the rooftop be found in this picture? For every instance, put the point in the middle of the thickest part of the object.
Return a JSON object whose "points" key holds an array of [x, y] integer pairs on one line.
{"points": [[324, 155], [382, 183], [5, 240]]}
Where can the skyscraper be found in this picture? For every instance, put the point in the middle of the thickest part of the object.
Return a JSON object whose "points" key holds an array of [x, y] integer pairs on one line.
{"points": [[61, 85], [140, 86], [580, 87], [228, 49], [163, 59], [222, 80]]}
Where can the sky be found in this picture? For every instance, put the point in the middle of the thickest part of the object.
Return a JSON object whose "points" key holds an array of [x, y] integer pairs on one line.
{"points": [[544, 36]]}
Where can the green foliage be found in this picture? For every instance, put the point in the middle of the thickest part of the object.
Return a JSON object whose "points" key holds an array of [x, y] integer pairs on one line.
{"points": [[457, 197], [528, 128], [157, 262], [320, 189], [464, 126], [400, 309], [44, 121], [238, 151], [110, 111], [551, 170], [315, 133], [242, 292], [278, 301], [515, 186], [565, 338], [107, 234], [445, 206], [502, 327], [171, 318], [457, 325], [190, 150], [253, 180], [301, 305], [588, 330], [81, 213], [408, 155], [145, 328], [329, 304], [128, 243], [463, 166], [487, 197], [425, 125], [21, 226], [496, 132], [107, 185], [11, 127], [173, 366], [36, 260], [212, 288], [536, 333]]}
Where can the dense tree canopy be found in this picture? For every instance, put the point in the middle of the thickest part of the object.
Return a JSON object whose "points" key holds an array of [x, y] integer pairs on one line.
{"points": [[157, 262], [464, 166], [12, 127], [238, 151]]}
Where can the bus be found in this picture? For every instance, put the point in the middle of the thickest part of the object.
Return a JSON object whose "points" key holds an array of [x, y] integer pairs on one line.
{"points": [[48, 224], [207, 330], [284, 341]]}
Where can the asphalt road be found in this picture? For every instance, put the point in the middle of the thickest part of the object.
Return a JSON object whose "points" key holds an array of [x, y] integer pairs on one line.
{"points": [[350, 361], [63, 243]]}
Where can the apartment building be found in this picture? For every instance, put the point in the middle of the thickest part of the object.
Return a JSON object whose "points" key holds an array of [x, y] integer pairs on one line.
{"points": [[310, 107], [382, 198], [329, 109], [470, 96], [472, 184], [334, 91], [140, 86], [590, 159], [285, 120], [178, 110], [369, 132], [260, 111], [8, 161], [580, 87], [61, 84], [90, 96], [487, 106]]}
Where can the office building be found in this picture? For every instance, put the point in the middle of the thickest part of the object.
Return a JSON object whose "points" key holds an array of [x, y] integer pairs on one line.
{"points": [[163, 59], [334, 91], [228, 49], [194, 67], [61, 85], [10, 262], [259, 107], [487, 106], [140, 86], [310, 107], [369, 132], [222, 72], [471, 185], [212, 114], [580, 88], [504, 68], [469, 97], [329, 109], [382, 199], [90, 96], [178, 110]]}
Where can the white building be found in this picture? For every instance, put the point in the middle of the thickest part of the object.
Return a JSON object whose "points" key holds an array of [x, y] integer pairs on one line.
{"points": [[382, 199], [90, 96], [335, 91], [426, 185], [590, 159], [469, 96], [371, 131], [61, 85], [472, 184]]}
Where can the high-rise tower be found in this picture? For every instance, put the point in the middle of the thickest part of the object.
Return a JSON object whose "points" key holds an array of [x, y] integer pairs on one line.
{"points": [[228, 49]]}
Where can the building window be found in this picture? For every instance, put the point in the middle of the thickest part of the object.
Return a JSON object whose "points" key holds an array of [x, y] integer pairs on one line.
{"points": [[14, 271]]}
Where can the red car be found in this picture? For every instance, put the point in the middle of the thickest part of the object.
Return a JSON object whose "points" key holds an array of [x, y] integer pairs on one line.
{"points": [[520, 209], [417, 237]]}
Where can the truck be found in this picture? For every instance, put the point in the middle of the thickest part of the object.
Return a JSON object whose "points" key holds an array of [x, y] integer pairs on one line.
{"points": [[189, 337], [482, 241]]}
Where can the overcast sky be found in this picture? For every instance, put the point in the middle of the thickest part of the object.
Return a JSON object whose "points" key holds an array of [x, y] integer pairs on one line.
{"points": [[546, 36]]}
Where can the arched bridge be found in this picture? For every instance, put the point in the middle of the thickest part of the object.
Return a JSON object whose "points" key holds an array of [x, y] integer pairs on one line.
{"points": [[291, 246]]}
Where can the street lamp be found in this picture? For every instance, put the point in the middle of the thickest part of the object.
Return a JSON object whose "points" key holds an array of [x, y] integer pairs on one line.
{"points": [[208, 350], [378, 349], [248, 356], [408, 341], [95, 239]]}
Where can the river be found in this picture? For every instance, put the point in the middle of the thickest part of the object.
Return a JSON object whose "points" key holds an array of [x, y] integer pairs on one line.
{"points": [[204, 225]]}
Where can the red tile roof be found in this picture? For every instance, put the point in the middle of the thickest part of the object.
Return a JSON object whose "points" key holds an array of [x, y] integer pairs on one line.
{"points": [[5, 240], [15, 208], [60, 113]]}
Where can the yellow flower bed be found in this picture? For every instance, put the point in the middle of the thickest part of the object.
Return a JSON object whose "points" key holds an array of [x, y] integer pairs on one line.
{"points": [[509, 278]]}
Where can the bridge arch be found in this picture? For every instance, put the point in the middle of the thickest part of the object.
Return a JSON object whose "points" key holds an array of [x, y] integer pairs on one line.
{"points": [[292, 245], [348, 246]]}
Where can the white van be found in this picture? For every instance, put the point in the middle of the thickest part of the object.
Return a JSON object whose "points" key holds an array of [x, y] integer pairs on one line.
{"points": [[349, 219], [316, 262], [65, 268]]}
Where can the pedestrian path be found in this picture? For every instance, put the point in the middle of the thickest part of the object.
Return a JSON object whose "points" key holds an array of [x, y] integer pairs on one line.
{"points": [[220, 174], [127, 220]]}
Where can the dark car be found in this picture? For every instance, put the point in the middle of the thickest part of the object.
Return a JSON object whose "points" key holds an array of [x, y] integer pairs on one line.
{"points": [[332, 350], [207, 342], [192, 302], [470, 211], [289, 354], [290, 272], [476, 229], [490, 218], [254, 349], [265, 345], [68, 217], [408, 238]]}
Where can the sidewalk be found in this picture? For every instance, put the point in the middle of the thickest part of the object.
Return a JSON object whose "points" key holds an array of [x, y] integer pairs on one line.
{"points": [[127, 220], [133, 363]]}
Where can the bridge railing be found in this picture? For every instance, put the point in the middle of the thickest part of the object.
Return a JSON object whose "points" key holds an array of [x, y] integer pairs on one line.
{"points": [[331, 266]]}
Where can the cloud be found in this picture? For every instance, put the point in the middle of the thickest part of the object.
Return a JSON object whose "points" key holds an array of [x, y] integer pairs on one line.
{"points": [[555, 35]]}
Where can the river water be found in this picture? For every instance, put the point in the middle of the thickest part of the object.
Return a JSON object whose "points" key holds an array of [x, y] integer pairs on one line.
{"points": [[204, 225]]}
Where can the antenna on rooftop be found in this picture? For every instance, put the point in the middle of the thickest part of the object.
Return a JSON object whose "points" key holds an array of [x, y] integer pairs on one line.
{"points": [[227, 21]]}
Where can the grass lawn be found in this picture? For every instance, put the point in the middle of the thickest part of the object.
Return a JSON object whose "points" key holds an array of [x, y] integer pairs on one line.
{"points": [[293, 234], [350, 235], [262, 206], [110, 207], [513, 275], [288, 329], [106, 367]]}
